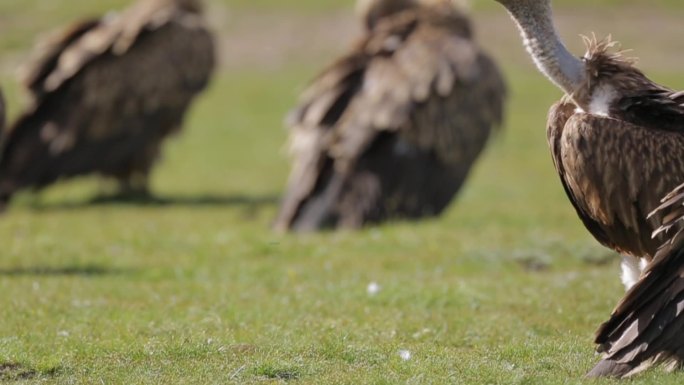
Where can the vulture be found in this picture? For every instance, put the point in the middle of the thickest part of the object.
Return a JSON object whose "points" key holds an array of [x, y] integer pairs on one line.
{"points": [[391, 129], [617, 142], [104, 94]]}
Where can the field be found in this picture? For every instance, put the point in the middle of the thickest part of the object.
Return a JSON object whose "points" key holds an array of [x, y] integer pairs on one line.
{"points": [[506, 288]]}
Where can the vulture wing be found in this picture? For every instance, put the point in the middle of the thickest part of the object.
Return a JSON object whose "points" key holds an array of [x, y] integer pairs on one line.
{"points": [[611, 178], [559, 115], [653, 106], [645, 328], [421, 82], [47, 55], [105, 94]]}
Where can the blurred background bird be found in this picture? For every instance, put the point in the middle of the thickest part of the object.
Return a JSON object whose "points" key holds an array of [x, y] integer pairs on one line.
{"points": [[392, 128], [104, 94]]}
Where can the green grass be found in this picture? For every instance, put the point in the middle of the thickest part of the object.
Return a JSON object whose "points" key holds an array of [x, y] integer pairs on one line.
{"points": [[506, 288]]}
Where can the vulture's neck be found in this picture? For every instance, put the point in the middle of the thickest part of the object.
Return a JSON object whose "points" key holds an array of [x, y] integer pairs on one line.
{"points": [[547, 50]]}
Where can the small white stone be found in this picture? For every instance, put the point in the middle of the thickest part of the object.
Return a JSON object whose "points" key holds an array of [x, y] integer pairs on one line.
{"points": [[373, 288], [405, 355]]}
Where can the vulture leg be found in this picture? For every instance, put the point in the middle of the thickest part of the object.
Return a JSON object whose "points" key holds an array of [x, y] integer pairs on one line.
{"points": [[134, 187], [134, 184]]}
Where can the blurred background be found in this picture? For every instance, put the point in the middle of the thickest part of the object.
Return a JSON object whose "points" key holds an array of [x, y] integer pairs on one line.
{"points": [[269, 50], [506, 286]]}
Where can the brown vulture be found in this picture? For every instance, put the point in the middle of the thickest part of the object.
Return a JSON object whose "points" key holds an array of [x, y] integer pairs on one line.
{"points": [[617, 141], [104, 95], [392, 128]]}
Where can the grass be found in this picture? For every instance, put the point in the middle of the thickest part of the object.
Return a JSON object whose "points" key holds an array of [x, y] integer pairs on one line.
{"points": [[506, 288]]}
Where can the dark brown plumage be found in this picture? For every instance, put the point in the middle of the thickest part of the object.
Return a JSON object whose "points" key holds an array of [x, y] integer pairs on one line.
{"points": [[105, 93], [392, 129], [616, 168], [617, 141]]}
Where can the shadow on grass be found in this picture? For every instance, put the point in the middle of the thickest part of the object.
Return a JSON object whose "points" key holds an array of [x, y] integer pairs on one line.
{"points": [[238, 200], [63, 271], [14, 372], [277, 373]]}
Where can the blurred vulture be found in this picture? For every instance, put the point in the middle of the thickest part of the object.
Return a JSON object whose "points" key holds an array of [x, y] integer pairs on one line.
{"points": [[105, 93], [617, 141], [392, 129]]}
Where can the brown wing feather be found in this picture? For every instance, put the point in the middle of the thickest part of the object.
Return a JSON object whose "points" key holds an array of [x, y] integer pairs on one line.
{"points": [[47, 54], [410, 70], [106, 110], [66, 54], [671, 210], [615, 183], [654, 107], [559, 115]]}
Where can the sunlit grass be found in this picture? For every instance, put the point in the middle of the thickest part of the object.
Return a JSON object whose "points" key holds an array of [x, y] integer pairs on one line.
{"points": [[506, 288]]}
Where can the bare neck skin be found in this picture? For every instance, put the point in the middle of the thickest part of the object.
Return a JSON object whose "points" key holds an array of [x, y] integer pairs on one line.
{"points": [[534, 19]]}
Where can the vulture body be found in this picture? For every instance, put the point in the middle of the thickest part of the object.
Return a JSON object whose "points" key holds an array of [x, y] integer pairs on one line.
{"points": [[105, 93], [392, 129], [617, 141]]}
